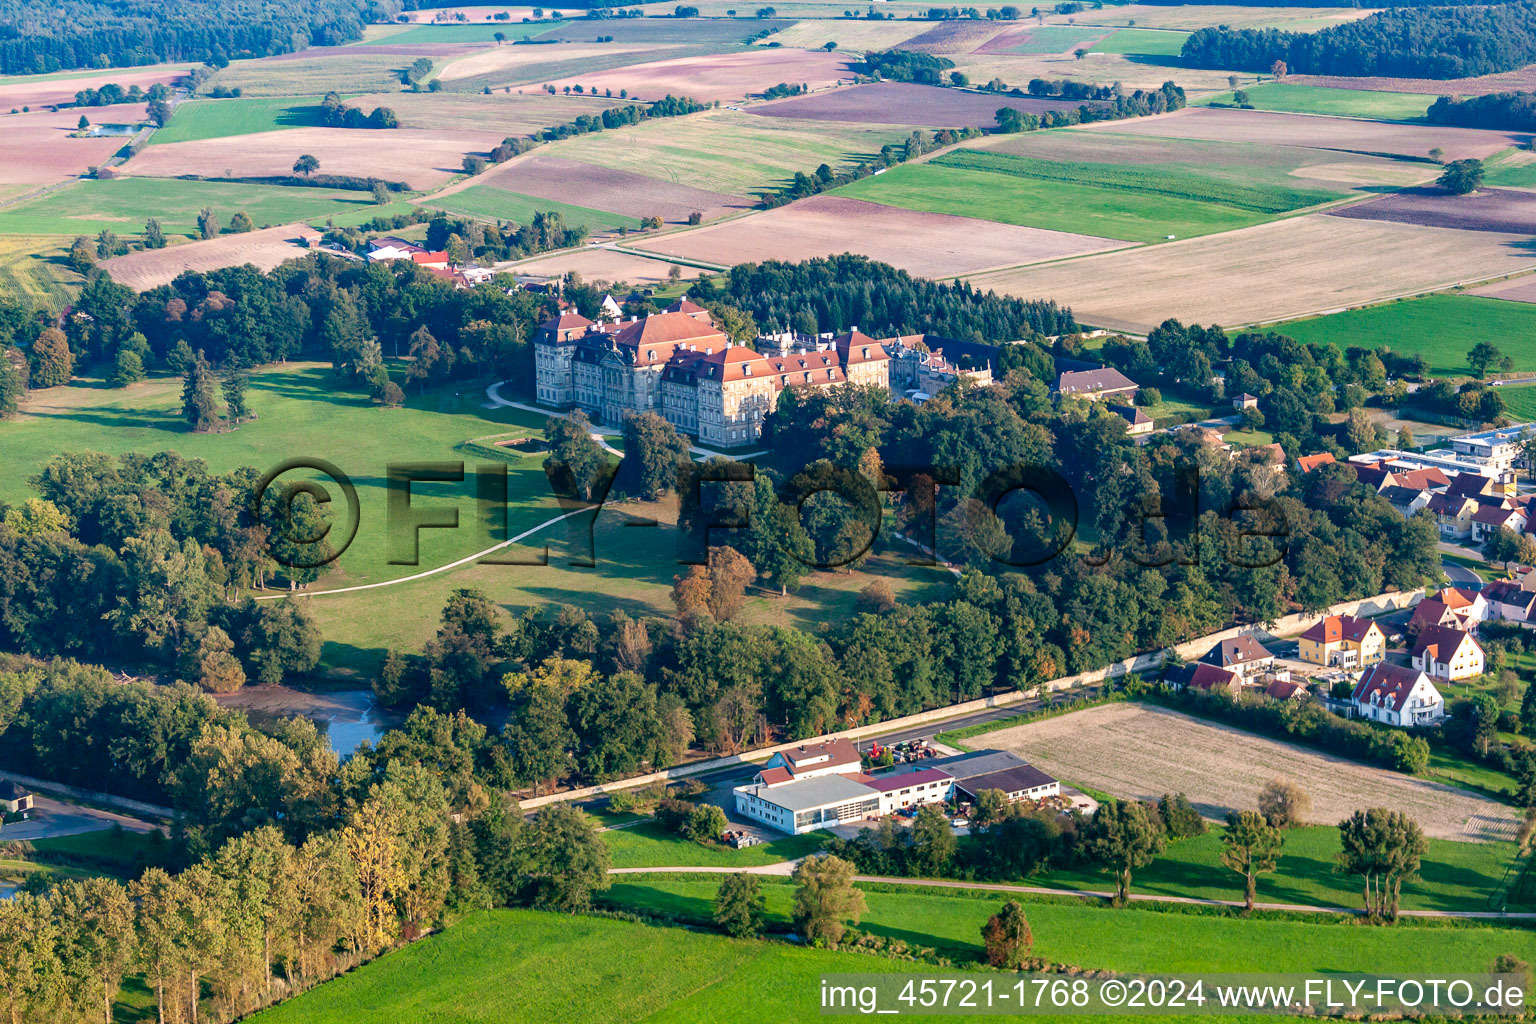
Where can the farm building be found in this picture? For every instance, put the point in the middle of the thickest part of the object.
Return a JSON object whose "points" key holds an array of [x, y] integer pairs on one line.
{"points": [[15, 799], [1395, 695], [1026, 782], [1105, 382], [1448, 653]]}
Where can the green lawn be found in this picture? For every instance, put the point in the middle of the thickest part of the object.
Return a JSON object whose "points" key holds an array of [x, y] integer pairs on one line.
{"points": [[213, 119], [1143, 42], [491, 202], [479, 32], [648, 845], [1441, 328], [1520, 402], [123, 204], [1057, 205], [1317, 99], [505, 965]]}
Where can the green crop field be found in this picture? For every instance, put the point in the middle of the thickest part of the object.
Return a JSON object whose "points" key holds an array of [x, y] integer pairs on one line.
{"points": [[480, 32], [32, 267], [214, 119], [1520, 402], [1513, 169], [1162, 182], [1317, 99], [123, 204], [1060, 206], [506, 965], [488, 201], [1441, 328], [1143, 42]]}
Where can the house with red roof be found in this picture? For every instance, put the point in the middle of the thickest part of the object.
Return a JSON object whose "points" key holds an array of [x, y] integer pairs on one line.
{"points": [[1241, 655], [1395, 695], [1307, 463], [1447, 653], [1490, 519], [1510, 602], [1342, 641]]}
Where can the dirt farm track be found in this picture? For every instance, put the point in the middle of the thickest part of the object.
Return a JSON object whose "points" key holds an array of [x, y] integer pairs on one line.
{"points": [[1139, 752]]}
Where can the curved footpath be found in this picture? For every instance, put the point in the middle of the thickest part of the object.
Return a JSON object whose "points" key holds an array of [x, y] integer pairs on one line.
{"points": [[787, 867]]}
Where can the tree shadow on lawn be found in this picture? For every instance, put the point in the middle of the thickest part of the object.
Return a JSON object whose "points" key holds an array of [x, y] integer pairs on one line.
{"points": [[169, 421]]}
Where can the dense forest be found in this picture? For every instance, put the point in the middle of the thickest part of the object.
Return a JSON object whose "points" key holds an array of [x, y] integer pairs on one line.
{"points": [[63, 34], [1424, 42], [1504, 111]]}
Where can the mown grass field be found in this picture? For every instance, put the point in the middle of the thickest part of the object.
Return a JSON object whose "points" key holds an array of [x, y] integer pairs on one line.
{"points": [[328, 71], [214, 119], [1143, 42], [1442, 328], [648, 845], [122, 205], [1039, 203], [505, 965], [490, 202], [32, 267], [1317, 99], [1520, 402]]}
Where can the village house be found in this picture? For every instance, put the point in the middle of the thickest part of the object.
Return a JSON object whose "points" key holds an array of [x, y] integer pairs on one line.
{"points": [[1448, 654], [1307, 463], [1105, 382], [1245, 401], [1509, 601], [1489, 519], [1241, 655], [1137, 423], [834, 757], [1343, 641], [1206, 678], [1394, 695], [1284, 690]]}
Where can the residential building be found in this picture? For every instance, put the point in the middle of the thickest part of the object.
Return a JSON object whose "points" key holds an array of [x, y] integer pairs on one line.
{"points": [[1137, 423], [430, 260], [1395, 695], [1510, 602], [1287, 691], [1489, 519], [1429, 613], [1405, 500], [1206, 677], [1245, 401], [1241, 655], [1469, 606], [834, 757], [1447, 653], [1105, 382], [15, 799], [1307, 463], [391, 248], [1343, 641], [1453, 514]]}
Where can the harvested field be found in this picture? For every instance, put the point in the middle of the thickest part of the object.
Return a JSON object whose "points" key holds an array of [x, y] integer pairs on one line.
{"points": [[513, 113], [904, 103], [955, 36], [1137, 752], [424, 159], [1043, 39], [848, 35], [927, 244], [723, 77], [491, 203], [1277, 271], [1519, 80], [512, 64], [1133, 72], [473, 13], [38, 150], [1516, 289], [717, 32], [604, 265], [610, 188], [388, 48], [727, 151], [151, 268], [1339, 134], [1194, 16], [1491, 209], [38, 92]]}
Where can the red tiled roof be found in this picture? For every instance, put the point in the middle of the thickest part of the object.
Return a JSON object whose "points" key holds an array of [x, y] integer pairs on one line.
{"points": [[1391, 682], [856, 347], [1307, 463], [1492, 515], [774, 776], [1282, 690], [1429, 612], [1204, 676], [429, 257], [1455, 598], [1442, 641], [1422, 479], [1333, 628]]}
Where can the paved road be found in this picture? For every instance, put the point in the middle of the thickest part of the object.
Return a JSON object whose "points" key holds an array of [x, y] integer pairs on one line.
{"points": [[1461, 576], [787, 867], [51, 818]]}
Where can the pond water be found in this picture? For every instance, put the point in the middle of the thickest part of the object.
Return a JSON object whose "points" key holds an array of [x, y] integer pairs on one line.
{"points": [[346, 717], [104, 130]]}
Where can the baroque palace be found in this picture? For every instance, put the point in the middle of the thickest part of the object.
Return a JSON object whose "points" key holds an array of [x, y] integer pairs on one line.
{"points": [[679, 365]]}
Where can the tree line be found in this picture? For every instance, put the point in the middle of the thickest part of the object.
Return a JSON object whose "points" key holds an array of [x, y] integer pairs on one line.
{"points": [[128, 33], [824, 177], [1405, 42], [1505, 111]]}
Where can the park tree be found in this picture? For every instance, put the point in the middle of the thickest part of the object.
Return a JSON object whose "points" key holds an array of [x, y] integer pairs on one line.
{"points": [[199, 406], [52, 362], [1278, 69], [1180, 818], [565, 859], [233, 386], [652, 451], [825, 898], [128, 368], [1250, 846], [35, 517], [739, 905], [306, 165], [735, 323], [380, 193], [1461, 176], [1123, 836], [576, 463], [1284, 804], [218, 670], [729, 576], [1007, 936], [1383, 847], [159, 112], [690, 592]]}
